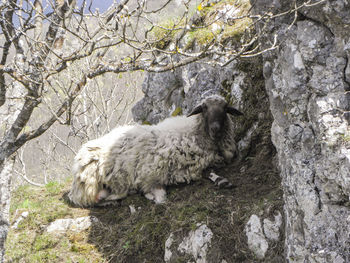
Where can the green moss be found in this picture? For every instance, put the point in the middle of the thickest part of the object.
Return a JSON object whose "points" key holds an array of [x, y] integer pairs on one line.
{"points": [[81, 248], [43, 256], [165, 32], [345, 137], [201, 35], [176, 112], [18, 244], [28, 204], [204, 10], [168, 29], [236, 30], [146, 123]]}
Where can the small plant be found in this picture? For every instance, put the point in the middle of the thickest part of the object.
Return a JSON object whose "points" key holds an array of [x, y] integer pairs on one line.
{"points": [[126, 245]]}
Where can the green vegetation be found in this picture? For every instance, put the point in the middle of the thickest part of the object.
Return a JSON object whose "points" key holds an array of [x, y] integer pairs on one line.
{"points": [[345, 137], [177, 112], [30, 242], [231, 31], [146, 123], [202, 36], [208, 26], [165, 32]]}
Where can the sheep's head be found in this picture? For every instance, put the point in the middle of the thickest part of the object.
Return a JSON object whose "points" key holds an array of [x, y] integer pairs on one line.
{"points": [[214, 111]]}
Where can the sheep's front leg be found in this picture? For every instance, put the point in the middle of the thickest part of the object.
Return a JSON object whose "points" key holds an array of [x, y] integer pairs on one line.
{"points": [[106, 197], [220, 181], [157, 194]]}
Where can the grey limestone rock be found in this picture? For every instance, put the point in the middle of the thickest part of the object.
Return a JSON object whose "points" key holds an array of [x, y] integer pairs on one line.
{"points": [[307, 82], [272, 227], [178, 92], [195, 244], [61, 226], [257, 242], [184, 88]]}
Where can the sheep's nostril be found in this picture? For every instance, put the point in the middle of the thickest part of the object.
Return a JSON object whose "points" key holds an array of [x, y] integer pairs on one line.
{"points": [[215, 128]]}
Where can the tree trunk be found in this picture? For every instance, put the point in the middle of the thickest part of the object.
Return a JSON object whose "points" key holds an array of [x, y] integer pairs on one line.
{"points": [[5, 191]]}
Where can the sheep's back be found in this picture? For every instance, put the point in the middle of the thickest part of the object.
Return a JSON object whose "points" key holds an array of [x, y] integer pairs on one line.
{"points": [[163, 154], [96, 150]]}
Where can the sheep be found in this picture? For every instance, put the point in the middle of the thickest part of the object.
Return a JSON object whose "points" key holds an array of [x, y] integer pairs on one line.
{"points": [[144, 158]]}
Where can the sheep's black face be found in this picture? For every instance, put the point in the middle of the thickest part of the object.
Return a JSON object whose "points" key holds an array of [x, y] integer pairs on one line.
{"points": [[215, 118], [214, 111]]}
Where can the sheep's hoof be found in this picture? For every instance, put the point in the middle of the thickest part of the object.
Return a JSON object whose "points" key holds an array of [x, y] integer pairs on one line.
{"points": [[158, 195], [220, 181]]}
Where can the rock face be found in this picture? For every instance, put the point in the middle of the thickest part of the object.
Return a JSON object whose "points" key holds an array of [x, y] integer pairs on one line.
{"points": [[256, 238], [260, 235], [308, 83], [196, 245], [183, 88]]}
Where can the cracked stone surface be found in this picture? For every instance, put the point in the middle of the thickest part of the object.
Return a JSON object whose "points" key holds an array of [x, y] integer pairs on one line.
{"points": [[257, 242], [185, 88], [272, 227], [195, 244], [307, 81], [79, 224]]}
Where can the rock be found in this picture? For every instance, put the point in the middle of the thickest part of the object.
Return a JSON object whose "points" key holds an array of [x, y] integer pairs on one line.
{"points": [[244, 143], [272, 228], [132, 209], [167, 248], [24, 215], [162, 94], [79, 224], [323, 256], [186, 87], [193, 245], [307, 82], [256, 240], [197, 243]]}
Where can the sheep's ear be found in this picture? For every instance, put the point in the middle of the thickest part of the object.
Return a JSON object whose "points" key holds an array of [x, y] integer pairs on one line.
{"points": [[233, 111], [195, 111]]}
